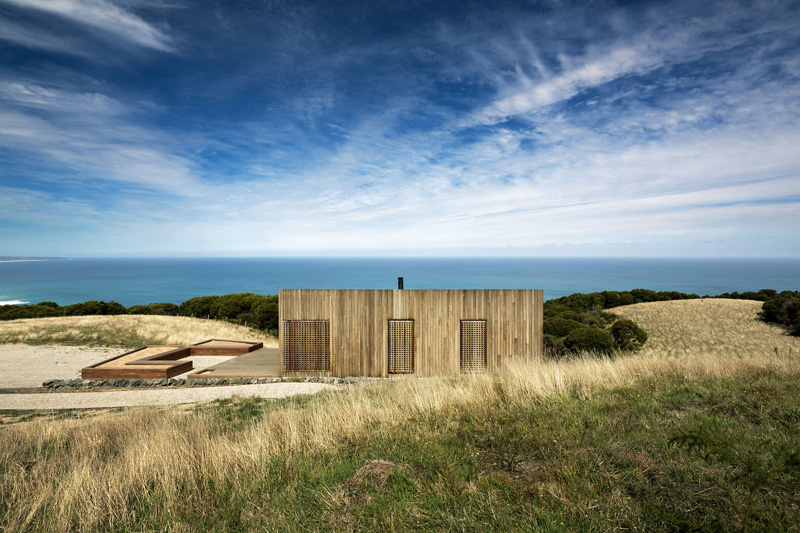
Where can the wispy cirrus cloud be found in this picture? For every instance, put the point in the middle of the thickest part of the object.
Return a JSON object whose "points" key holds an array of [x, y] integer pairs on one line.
{"points": [[92, 135], [100, 15], [529, 95]]}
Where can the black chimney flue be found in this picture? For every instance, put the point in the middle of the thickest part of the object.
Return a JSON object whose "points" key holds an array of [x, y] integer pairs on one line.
{"points": [[400, 282]]}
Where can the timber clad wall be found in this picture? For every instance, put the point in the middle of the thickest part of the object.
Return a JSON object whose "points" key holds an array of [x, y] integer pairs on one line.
{"points": [[359, 329]]}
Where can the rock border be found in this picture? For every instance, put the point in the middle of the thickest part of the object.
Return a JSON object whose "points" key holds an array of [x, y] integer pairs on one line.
{"points": [[83, 384]]}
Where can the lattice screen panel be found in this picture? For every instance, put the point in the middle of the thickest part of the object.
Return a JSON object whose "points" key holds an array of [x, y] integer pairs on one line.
{"points": [[473, 345], [401, 346], [306, 346]]}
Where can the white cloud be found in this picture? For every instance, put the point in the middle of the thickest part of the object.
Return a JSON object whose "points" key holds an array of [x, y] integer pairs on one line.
{"points": [[98, 14], [32, 37], [92, 136], [32, 95], [530, 95]]}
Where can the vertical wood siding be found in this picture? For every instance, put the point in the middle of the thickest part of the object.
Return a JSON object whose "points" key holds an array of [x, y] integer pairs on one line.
{"points": [[359, 325]]}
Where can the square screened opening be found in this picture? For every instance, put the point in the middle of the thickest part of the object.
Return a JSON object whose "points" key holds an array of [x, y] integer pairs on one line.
{"points": [[401, 346], [473, 345], [306, 346]]}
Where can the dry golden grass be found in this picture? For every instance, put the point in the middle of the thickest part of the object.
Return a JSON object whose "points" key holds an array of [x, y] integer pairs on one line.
{"points": [[710, 326], [83, 474], [125, 331]]}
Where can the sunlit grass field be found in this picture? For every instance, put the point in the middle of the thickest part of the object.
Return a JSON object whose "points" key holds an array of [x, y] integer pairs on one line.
{"points": [[124, 331], [683, 328], [686, 435]]}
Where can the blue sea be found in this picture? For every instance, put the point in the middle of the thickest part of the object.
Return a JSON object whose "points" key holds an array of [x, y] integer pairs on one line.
{"points": [[131, 281]]}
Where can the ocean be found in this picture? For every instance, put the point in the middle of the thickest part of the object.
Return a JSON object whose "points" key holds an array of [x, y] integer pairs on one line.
{"points": [[132, 281]]}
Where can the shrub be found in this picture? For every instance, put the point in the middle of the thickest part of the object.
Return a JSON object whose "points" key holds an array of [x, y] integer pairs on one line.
{"points": [[13, 312], [199, 306], [168, 309], [94, 307], [266, 315], [644, 295], [590, 340], [611, 299], [569, 314], [783, 309], [628, 335], [154, 309], [592, 320], [553, 346], [561, 327]]}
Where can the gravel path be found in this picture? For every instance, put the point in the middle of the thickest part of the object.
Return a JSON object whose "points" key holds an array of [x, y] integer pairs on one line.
{"points": [[24, 366], [127, 398]]}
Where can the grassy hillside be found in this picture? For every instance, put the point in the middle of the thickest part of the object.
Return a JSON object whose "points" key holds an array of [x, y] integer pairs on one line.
{"points": [[660, 440], [124, 331], [683, 328]]}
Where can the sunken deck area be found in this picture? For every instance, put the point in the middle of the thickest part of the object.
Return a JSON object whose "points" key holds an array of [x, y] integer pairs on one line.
{"points": [[154, 362]]}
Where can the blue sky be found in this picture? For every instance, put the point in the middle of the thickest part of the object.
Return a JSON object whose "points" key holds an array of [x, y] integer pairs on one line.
{"points": [[193, 128]]}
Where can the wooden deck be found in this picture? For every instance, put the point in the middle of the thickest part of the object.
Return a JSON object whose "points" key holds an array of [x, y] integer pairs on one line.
{"points": [[261, 363], [155, 362]]}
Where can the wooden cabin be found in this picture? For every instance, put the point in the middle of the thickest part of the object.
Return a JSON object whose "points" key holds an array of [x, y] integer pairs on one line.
{"points": [[380, 333]]}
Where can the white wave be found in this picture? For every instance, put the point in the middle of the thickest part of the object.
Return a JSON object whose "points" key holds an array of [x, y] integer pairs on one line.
{"points": [[12, 302]]}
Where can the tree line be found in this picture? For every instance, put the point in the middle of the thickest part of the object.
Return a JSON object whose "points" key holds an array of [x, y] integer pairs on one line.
{"points": [[255, 310], [600, 330]]}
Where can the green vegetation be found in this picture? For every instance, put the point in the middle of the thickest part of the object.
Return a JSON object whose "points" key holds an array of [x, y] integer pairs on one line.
{"points": [[662, 455], [715, 454], [593, 339], [254, 310], [783, 309], [628, 335]]}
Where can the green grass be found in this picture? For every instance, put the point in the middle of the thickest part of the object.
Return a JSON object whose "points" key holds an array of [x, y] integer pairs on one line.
{"points": [[716, 454]]}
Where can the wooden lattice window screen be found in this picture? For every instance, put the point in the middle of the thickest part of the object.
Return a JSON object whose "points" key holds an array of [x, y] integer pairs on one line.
{"points": [[401, 346], [473, 345], [306, 345]]}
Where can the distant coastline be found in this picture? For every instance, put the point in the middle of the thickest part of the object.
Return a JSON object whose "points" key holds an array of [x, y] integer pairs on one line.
{"points": [[18, 259]]}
